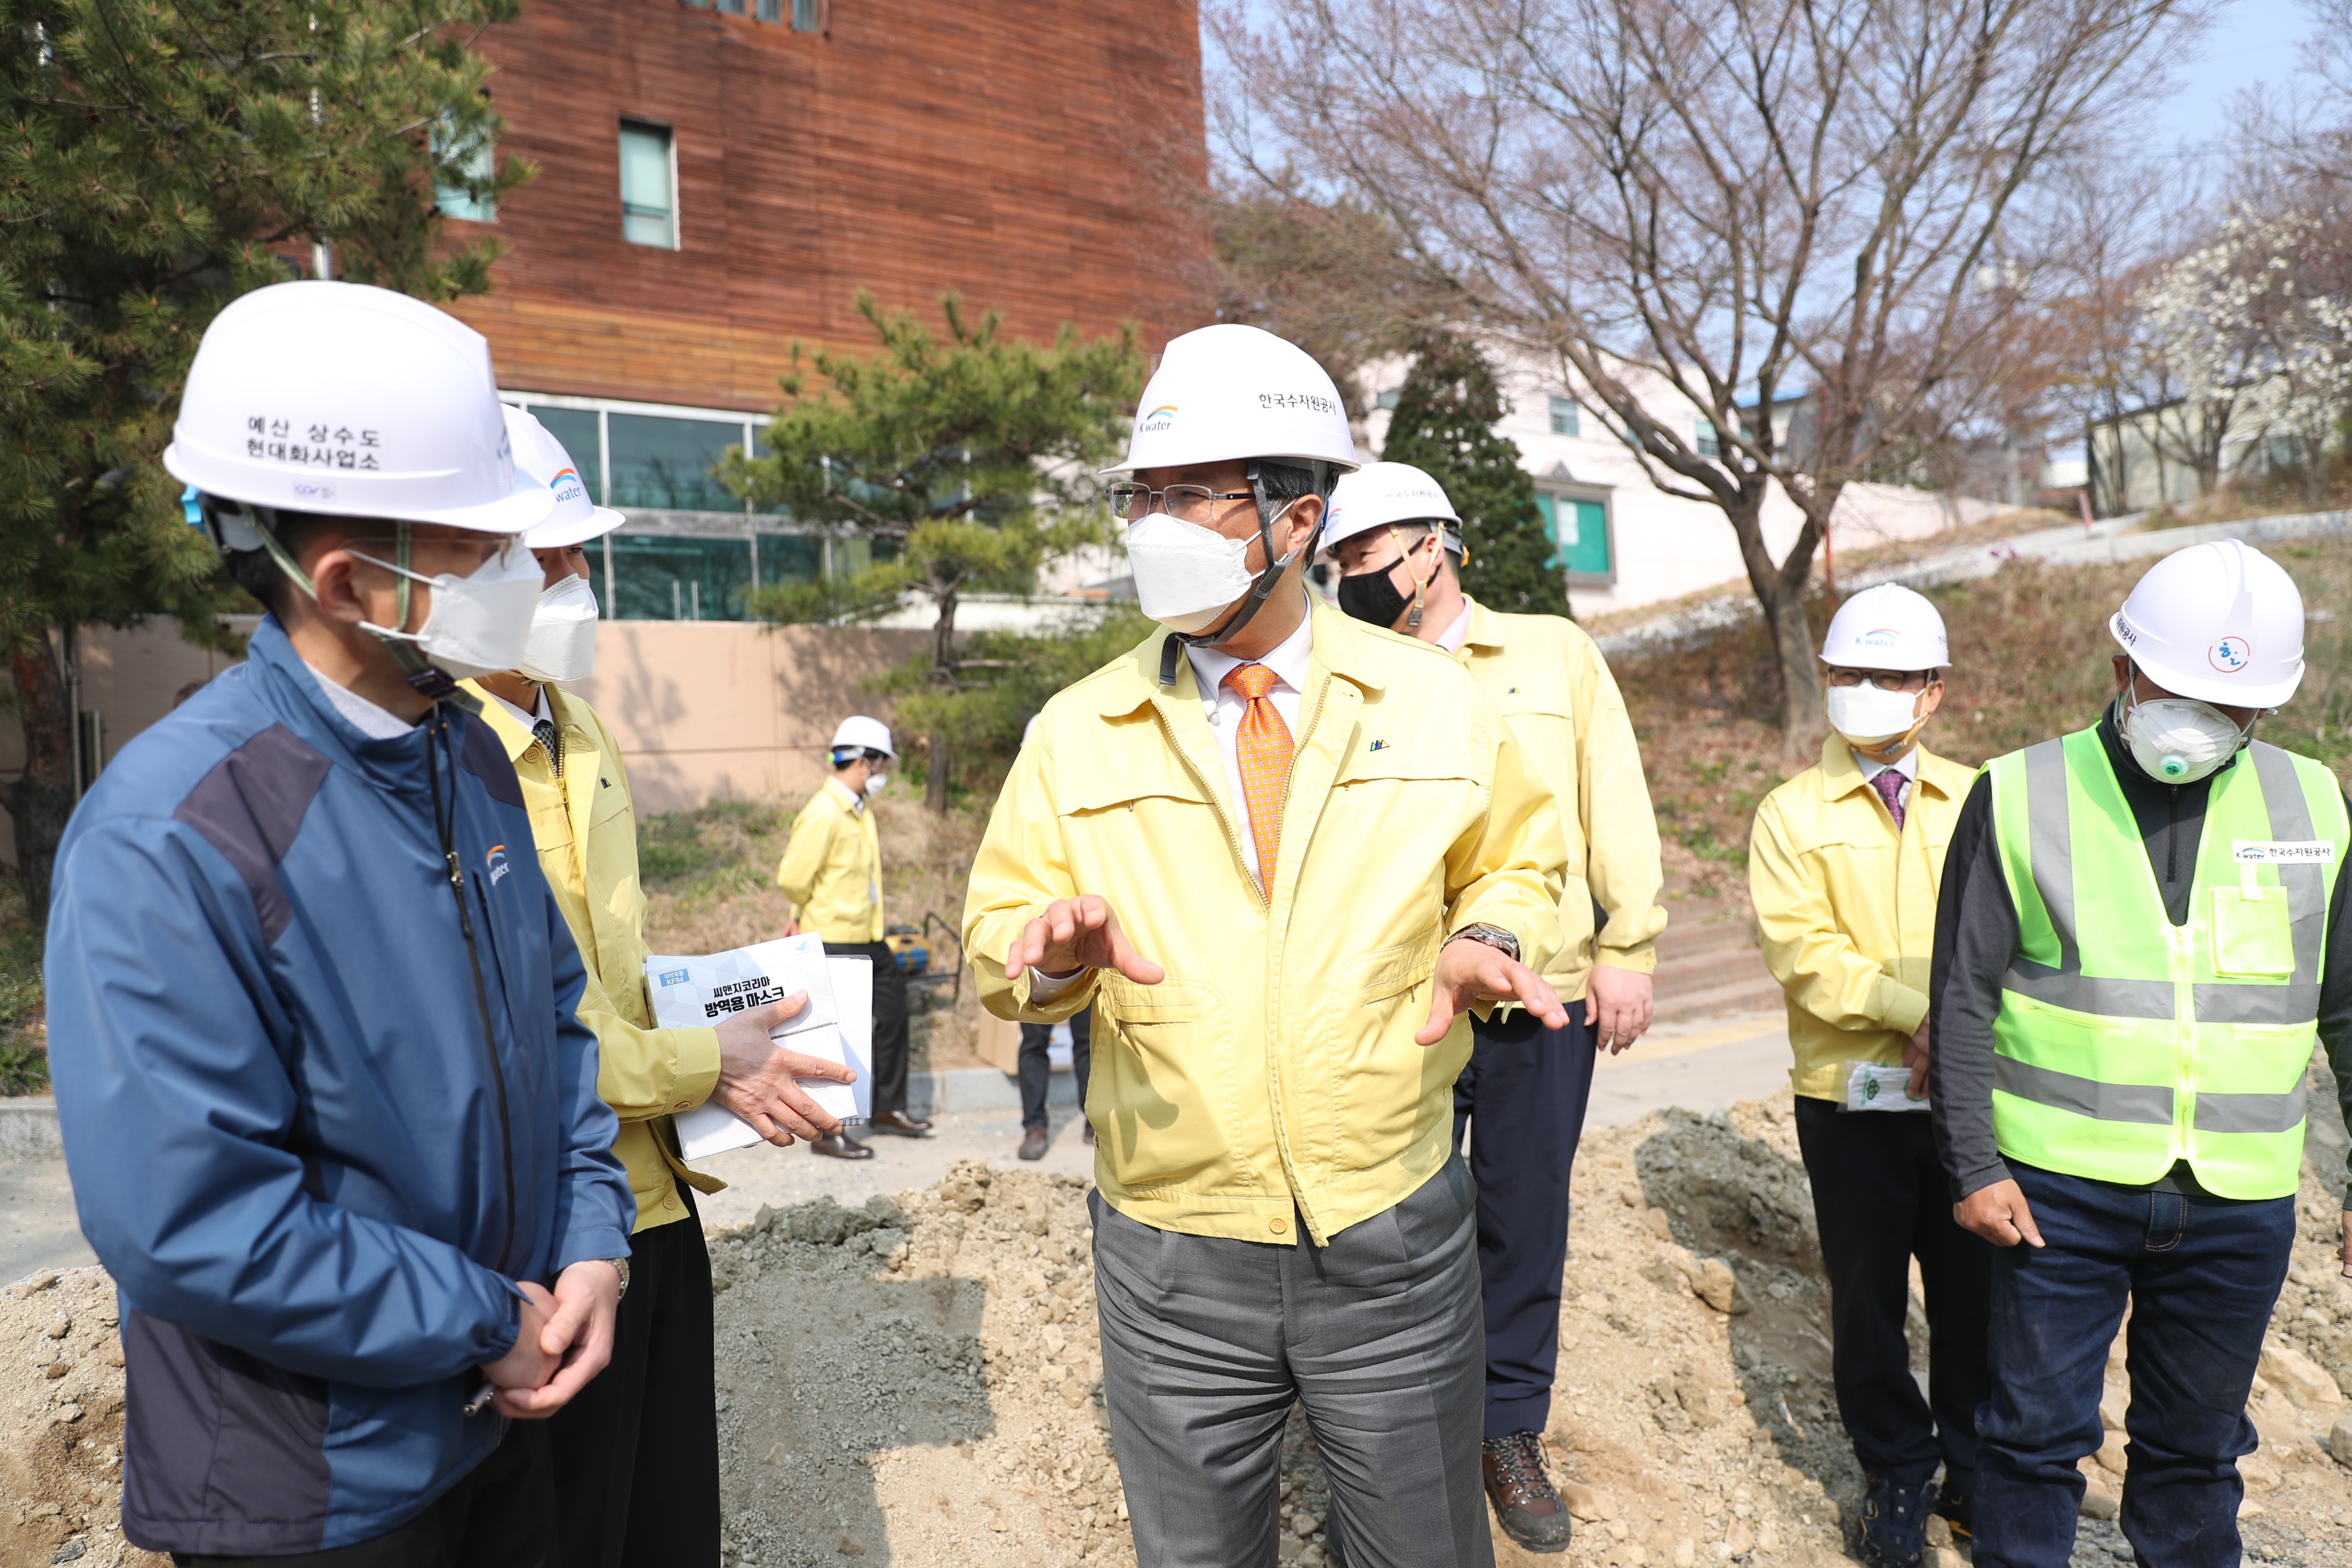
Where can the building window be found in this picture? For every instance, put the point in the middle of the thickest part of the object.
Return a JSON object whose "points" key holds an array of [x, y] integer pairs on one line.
{"points": [[466, 166], [1708, 445], [1580, 527], [648, 185], [1564, 418], [1391, 397], [808, 15], [663, 461]]}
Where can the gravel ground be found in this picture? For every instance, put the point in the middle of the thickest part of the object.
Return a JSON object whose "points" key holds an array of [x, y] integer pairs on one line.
{"points": [[917, 1380]]}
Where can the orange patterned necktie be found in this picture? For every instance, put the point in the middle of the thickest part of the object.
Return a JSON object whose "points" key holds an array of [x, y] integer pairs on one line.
{"points": [[1263, 746]]}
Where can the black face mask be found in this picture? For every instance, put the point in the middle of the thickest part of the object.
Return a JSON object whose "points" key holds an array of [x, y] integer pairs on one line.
{"points": [[1372, 596]]}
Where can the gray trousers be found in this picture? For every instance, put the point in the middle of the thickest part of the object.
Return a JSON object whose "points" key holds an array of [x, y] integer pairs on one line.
{"points": [[1207, 1342]]}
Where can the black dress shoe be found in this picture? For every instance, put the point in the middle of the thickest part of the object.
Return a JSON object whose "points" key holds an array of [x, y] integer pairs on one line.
{"points": [[841, 1146], [1033, 1143], [899, 1122]]}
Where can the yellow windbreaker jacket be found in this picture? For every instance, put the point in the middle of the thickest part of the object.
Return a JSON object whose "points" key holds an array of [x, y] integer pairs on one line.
{"points": [[831, 868], [1273, 1074], [586, 830], [1544, 675], [1846, 908]]}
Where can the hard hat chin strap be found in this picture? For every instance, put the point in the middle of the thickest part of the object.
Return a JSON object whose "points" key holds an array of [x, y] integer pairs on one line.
{"points": [[1260, 591]]}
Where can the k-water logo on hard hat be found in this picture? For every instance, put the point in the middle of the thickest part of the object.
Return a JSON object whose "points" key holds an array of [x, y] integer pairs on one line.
{"points": [[567, 485], [2230, 655], [1879, 636], [1158, 419]]}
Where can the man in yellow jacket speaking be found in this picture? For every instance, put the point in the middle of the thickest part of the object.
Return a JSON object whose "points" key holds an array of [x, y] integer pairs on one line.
{"points": [[636, 1454], [1844, 866], [1521, 1100], [1282, 854]]}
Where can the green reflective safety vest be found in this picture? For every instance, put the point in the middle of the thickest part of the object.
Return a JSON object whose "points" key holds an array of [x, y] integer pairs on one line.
{"points": [[2125, 1043]]}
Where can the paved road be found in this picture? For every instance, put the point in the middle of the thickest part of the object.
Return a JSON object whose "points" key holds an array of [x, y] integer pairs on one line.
{"points": [[1703, 1067]]}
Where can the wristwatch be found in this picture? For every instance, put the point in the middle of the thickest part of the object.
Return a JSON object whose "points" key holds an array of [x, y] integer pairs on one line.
{"points": [[623, 1265], [1496, 937]]}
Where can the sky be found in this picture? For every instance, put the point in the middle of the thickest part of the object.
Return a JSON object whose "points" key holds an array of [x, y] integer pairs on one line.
{"points": [[2253, 41]]}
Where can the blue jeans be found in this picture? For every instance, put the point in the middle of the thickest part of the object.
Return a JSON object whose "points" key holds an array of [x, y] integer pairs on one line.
{"points": [[2201, 1275]]}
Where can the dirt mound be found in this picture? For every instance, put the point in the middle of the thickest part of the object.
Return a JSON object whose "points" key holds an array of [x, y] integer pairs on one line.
{"points": [[918, 1382]]}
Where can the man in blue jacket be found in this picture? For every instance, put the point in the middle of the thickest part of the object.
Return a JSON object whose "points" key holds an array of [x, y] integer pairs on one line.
{"points": [[331, 1123]]}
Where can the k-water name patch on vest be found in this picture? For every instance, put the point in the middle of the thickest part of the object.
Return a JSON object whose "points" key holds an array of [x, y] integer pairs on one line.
{"points": [[2283, 851]]}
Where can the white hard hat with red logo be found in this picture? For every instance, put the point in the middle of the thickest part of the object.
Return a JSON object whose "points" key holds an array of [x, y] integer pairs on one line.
{"points": [[1889, 627], [577, 519], [2219, 622], [350, 401]]}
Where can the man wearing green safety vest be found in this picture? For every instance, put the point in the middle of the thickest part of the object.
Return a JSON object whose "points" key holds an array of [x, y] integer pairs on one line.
{"points": [[2139, 938]]}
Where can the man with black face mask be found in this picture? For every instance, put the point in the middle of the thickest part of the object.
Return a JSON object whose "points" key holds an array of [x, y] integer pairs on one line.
{"points": [[1399, 543], [2139, 938]]}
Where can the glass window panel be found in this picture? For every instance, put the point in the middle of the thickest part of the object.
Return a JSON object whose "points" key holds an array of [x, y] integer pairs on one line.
{"points": [[661, 461], [1581, 530], [576, 429], [663, 577], [790, 558], [855, 554], [808, 15], [1708, 447], [1565, 420], [471, 162], [648, 214]]}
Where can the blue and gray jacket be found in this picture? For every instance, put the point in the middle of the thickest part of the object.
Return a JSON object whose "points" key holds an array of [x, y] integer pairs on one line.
{"points": [[312, 1153]]}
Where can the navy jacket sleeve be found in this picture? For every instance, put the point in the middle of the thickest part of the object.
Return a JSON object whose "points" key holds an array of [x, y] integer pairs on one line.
{"points": [[1976, 938], [181, 1128], [594, 1207]]}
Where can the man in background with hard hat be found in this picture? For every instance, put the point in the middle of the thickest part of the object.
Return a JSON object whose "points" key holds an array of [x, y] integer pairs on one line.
{"points": [[332, 1125], [2141, 933], [1281, 854], [1842, 868], [637, 1454], [1519, 1104], [832, 871]]}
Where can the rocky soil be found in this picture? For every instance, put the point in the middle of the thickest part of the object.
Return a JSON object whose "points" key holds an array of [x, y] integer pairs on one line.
{"points": [[917, 1380]]}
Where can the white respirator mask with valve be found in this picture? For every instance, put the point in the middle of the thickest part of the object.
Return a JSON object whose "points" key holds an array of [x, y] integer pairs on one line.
{"points": [[2179, 740]]}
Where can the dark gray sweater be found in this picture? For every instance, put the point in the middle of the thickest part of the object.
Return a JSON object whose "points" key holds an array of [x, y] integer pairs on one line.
{"points": [[1976, 938]]}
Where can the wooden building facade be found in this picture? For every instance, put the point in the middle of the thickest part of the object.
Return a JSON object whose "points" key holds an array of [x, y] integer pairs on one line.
{"points": [[718, 179]]}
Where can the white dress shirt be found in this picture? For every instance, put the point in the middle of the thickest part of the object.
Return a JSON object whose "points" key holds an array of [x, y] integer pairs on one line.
{"points": [[1224, 708], [376, 723], [1451, 638], [527, 720]]}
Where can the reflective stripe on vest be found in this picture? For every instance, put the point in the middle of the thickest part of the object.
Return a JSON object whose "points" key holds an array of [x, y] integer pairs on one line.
{"points": [[2125, 1043]]}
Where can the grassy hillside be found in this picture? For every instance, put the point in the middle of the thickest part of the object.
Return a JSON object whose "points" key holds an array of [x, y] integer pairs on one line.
{"points": [[2029, 660]]}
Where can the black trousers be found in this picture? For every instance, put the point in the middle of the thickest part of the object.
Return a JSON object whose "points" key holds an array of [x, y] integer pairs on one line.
{"points": [[501, 1515], [636, 1454], [1523, 1096], [889, 1021], [1881, 1199], [1037, 1069]]}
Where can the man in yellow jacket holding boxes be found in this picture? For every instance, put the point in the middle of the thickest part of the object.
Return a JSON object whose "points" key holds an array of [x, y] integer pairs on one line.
{"points": [[636, 1454], [1521, 1100], [1844, 865], [1281, 853]]}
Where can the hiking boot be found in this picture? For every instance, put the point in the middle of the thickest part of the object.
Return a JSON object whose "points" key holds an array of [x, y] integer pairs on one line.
{"points": [[1034, 1141], [1894, 1524], [1520, 1488]]}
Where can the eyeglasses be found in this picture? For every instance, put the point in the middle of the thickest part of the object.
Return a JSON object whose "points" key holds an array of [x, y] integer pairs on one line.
{"points": [[1185, 503], [1884, 679]]}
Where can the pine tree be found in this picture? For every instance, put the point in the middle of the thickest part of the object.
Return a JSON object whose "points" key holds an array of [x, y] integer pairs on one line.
{"points": [[161, 159], [1445, 423]]}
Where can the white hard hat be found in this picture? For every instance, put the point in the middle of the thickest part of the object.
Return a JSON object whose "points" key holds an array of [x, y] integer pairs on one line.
{"points": [[1887, 628], [2218, 622], [1230, 391], [866, 735], [576, 518], [1378, 494], [350, 401]]}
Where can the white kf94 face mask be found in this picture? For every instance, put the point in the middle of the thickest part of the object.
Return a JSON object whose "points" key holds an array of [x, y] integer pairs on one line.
{"points": [[479, 624], [562, 641], [1186, 576], [1869, 716], [2179, 740]]}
